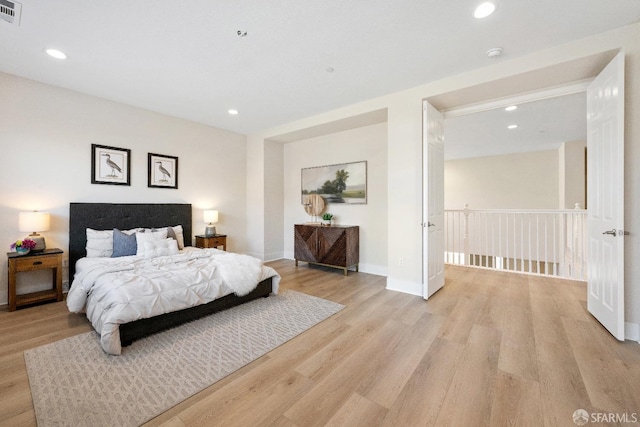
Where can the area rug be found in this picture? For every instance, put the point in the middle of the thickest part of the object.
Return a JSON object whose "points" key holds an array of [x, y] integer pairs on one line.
{"points": [[74, 383]]}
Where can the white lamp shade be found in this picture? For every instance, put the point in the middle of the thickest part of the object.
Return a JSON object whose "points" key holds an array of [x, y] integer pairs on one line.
{"points": [[33, 221], [211, 216]]}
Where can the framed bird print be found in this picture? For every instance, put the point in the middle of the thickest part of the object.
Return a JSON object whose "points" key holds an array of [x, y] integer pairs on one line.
{"points": [[110, 165], [163, 171]]}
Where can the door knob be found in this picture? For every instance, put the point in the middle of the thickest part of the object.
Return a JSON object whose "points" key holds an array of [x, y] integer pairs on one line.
{"points": [[612, 232]]}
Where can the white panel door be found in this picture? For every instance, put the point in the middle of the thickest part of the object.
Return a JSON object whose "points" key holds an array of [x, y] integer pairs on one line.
{"points": [[605, 196], [433, 200]]}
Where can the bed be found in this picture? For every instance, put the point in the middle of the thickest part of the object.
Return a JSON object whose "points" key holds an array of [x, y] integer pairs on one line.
{"points": [[109, 216]]}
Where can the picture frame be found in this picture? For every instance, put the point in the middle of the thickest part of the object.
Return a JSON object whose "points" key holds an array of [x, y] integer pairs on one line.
{"points": [[163, 171], [110, 165], [338, 183]]}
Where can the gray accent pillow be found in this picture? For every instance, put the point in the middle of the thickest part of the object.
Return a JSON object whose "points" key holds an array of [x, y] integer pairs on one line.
{"points": [[171, 234], [123, 244]]}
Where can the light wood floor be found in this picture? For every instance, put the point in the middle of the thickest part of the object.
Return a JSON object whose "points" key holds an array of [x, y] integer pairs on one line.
{"points": [[488, 349]]}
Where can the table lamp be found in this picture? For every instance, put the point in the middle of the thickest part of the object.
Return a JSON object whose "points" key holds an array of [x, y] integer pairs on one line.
{"points": [[210, 216], [34, 221]]}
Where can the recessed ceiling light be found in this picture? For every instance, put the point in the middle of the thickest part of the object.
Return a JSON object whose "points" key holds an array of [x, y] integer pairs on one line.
{"points": [[56, 53], [512, 126], [485, 9], [329, 69], [233, 112], [511, 108]]}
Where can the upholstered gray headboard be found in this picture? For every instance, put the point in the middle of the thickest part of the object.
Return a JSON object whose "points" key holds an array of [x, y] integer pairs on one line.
{"points": [[124, 216]]}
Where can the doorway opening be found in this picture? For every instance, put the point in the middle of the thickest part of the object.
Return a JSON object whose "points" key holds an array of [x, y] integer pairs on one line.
{"points": [[605, 112]]}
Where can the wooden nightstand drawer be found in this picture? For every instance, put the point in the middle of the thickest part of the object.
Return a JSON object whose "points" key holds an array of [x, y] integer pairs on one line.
{"points": [[28, 264], [212, 242]]}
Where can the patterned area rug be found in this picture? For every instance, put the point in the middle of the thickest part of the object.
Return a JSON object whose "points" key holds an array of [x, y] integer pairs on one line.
{"points": [[73, 382]]}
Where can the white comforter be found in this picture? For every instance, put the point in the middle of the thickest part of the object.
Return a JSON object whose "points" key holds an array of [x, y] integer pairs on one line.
{"points": [[113, 291]]}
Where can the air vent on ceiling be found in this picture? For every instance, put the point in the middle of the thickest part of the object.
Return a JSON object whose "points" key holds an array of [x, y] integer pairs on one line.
{"points": [[10, 11]]}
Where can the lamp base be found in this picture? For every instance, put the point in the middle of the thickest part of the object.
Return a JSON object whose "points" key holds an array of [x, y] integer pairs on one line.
{"points": [[40, 246], [210, 231]]}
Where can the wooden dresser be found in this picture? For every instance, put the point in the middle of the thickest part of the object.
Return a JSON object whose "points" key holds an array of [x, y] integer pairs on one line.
{"points": [[333, 246]]}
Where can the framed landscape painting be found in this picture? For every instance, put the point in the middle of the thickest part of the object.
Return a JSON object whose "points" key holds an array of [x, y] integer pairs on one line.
{"points": [[163, 171], [110, 165], [341, 183]]}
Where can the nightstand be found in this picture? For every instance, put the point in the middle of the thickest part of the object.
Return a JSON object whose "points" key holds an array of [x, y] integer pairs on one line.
{"points": [[42, 260], [215, 241]]}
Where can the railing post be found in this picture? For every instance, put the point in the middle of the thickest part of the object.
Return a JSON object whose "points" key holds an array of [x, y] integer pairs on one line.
{"points": [[467, 257], [579, 248]]}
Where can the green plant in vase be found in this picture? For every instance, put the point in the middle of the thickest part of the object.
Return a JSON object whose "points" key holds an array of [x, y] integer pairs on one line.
{"points": [[326, 218]]}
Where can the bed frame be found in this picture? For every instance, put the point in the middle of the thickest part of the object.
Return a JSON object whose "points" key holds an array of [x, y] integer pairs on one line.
{"points": [[124, 216]]}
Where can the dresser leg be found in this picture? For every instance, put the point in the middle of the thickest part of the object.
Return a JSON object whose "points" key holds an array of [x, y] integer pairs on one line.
{"points": [[296, 263]]}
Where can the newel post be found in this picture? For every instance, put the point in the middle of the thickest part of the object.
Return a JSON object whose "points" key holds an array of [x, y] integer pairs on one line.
{"points": [[467, 256]]}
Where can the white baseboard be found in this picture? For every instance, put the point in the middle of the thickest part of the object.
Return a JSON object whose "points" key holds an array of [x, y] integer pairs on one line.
{"points": [[378, 270], [265, 257], [405, 286], [273, 256], [632, 331]]}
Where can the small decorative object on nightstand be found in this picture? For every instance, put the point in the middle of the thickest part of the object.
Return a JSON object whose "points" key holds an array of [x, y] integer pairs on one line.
{"points": [[211, 217], [24, 246], [203, 241], [43, 260]]}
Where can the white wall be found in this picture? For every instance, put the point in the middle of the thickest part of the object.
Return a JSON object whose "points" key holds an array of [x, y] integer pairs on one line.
{"points": [[572, 174], [366, 143], [512, 181], [255, 197], [46, 135], [274, 200], [265, 199]]}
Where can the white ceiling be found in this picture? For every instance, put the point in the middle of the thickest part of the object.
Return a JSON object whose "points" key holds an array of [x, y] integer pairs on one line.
{"points": [[185, 58], [542, 125]]}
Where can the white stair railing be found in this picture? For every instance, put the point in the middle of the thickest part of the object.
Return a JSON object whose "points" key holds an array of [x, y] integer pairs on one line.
{"points": [[541, 242]]}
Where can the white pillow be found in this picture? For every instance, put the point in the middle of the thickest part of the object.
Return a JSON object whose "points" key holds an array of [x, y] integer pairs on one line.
{"points": [[99, 243], [177, 231], [154, 248], [149, 236]]}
